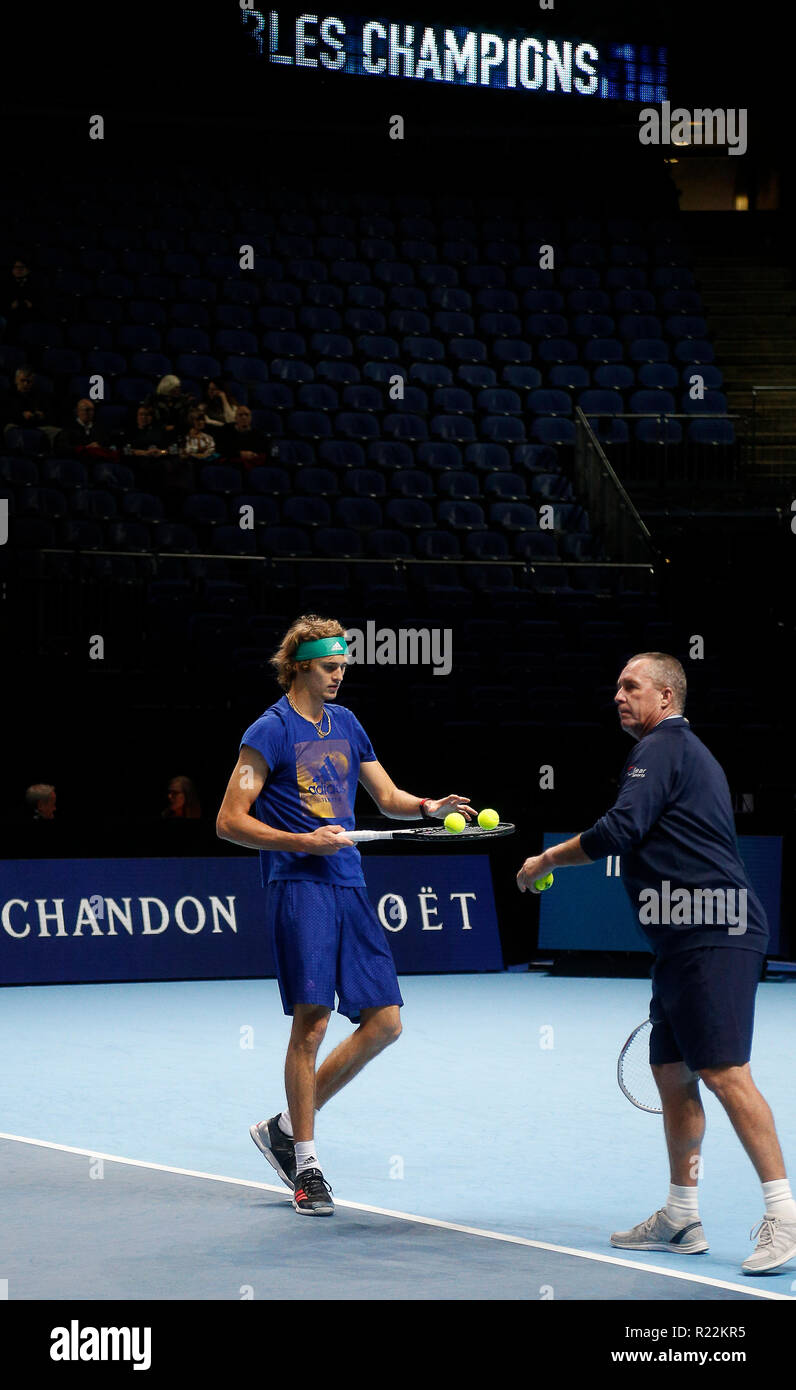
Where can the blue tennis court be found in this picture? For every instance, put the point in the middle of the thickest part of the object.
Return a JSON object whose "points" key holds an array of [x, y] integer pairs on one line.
{"points": [[489, 1148]]}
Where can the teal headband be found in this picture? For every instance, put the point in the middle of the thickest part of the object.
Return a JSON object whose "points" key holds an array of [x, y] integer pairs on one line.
{"points": [[325, 646]]}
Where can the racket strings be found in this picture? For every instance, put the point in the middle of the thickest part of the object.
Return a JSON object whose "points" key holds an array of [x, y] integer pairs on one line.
{"points": [[634, 1072]]}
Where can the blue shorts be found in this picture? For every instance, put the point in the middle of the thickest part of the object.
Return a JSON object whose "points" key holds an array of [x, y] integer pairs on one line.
{"points": [[703, 1006], [327, 939]]}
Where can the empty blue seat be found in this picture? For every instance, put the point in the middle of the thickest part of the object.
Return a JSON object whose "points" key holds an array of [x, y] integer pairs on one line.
{"points": [[712, 403], [499, 401], [469, 349], [557, 350], [507, 487], [487, 458], [511, 350], [556, 430], [505, 429], [535, 545], [306, 511], [458, 485], [439, 457], [453, 400], [457, 429], [686, 326], [362, 397], [356, 425], [409, 513], [220, 478], [649, 350], [570, 376], [431, 374], [365, 482], [492, 325], [411, 482], [358, 513], [204, 508], [522, 378], [461, 516], [275, 395], [285, 541], [711, 432], [475, 374], [309, 424], [547, 401], [657, 376], [391, 453], [596, 402], [437, 545], [316, 483], [335, 373], [694, 350], [404, 426], [486, 545], [551, 487], [454, 324], [513, 516], [652, 402], [603, 350], [270, 481], [663, 430]]}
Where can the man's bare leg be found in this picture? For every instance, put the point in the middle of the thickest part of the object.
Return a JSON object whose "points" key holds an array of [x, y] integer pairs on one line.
{"points": [[683, 1120], [750, 1116], [306, 1036], [378, 1027]]}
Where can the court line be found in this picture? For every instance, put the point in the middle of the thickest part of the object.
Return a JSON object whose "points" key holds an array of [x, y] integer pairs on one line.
{"points": [[419, 1220]]}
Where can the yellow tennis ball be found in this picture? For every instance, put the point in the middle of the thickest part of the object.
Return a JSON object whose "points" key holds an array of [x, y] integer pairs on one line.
{"points": [[541, 883], [455, 823], [488, 819]]}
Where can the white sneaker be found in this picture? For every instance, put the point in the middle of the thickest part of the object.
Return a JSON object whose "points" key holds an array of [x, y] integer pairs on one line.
{"points": [[776, 1245], [658, 1232]]}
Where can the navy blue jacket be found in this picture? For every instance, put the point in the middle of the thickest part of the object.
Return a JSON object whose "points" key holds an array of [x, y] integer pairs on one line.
{"points": [[673, 827]]}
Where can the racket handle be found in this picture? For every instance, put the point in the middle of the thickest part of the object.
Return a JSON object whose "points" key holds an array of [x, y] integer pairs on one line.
{"points": [[359, 836]]}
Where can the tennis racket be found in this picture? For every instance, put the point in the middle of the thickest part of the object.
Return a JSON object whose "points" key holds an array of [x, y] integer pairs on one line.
{"points": [[633, 1071], [435, 834]]}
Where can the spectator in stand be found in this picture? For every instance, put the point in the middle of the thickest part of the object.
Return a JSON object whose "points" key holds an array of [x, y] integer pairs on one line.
{"points": [[25, 407], [240, 441], [198, 442], [219, 406], [146, 439], [20, 299], [183, 801], [84, 436], [40, 802], [170, 406]]}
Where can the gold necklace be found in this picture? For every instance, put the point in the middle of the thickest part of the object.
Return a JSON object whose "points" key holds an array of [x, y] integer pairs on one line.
{"points": [[317, 727]]}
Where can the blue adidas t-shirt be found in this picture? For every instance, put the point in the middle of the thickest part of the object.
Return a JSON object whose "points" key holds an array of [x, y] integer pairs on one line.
{"points": [[312, 781], [673, 826]]}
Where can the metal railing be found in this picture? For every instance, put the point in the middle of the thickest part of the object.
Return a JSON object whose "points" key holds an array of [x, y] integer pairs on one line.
{"points": [[613, 517]]}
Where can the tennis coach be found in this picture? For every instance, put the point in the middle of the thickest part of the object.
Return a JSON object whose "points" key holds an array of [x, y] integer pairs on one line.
{"points": [[672, 824]]}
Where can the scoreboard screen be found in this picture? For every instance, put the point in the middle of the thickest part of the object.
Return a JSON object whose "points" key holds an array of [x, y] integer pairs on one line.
{"points": [[455, 55]]}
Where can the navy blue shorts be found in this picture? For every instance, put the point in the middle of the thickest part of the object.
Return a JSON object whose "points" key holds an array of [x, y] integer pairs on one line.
{"points": [[703, 1006], [327, 939]]}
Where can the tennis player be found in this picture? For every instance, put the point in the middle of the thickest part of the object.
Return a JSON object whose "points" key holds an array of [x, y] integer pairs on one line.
{"points": [[299, 766], [672, 824]]}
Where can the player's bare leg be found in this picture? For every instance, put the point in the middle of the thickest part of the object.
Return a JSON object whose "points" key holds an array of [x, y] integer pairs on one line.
{"points": [[683, 1120], [306, 1035], [750, 1116], [378, 1028]]}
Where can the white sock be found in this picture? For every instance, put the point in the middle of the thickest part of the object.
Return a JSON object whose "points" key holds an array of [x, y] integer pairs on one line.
{"points": [[285, 1123], [306, 1156], [779, 1199], [683, 1204]]}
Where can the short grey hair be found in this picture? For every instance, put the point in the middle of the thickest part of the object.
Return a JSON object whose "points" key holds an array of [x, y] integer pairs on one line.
{"points": [[664, 669]]}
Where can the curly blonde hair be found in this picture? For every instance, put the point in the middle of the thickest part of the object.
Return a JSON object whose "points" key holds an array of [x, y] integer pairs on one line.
{"points": [[309, 628]]}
